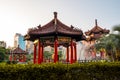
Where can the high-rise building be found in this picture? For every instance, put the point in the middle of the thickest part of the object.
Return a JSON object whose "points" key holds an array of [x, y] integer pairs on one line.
{"points": [[19, 40]]}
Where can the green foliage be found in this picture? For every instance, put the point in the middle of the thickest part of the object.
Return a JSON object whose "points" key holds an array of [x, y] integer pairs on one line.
{"points": [[82, 71], [3, 54], [111, 43], [47, 55], [116, 28], [29, 57], [60, 54]]}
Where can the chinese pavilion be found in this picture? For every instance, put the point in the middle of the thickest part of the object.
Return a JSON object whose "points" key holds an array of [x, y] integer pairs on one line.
{"points": [[92, 35], [18, 55], [54, 34], [96, 32]]}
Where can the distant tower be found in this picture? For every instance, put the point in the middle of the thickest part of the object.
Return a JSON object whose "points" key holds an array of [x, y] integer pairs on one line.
{"points": [[19, 40]]}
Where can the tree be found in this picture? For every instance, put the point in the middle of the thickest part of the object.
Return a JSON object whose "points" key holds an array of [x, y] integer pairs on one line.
{"points": [[60, 55], [3, 54], [117, 28], [29, 56], [47, 55], [111, 44]]}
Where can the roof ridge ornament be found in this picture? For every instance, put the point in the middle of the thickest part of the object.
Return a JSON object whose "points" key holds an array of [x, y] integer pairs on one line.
{"points": [[72, 26], [96, 22], [55, 15], [39, 26], [55, 18]]}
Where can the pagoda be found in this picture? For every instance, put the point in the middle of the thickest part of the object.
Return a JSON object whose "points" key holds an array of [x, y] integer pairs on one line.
{"points": [[91, 38], [96, 32], [18, 55], [54, 34]]}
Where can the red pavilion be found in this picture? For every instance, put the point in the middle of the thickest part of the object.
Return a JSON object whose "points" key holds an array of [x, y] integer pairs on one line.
{"points": [[54, 34], [18, 55]]}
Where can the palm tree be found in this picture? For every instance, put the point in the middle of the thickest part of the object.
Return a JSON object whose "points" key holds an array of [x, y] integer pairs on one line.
{"points": [[117, 28], [108, 43], [111, 43]]}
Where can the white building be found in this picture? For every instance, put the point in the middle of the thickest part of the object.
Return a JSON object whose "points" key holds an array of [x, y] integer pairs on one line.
{"points": [[29, 46]]}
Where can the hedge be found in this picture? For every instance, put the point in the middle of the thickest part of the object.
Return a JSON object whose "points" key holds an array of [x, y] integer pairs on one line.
{"points": [[59, 71]]}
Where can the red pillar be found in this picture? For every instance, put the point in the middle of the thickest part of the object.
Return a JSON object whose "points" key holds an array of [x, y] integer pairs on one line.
{"points": [[75, 53], [14, 58], [55, 51], [35, 46], [67, 54], [42, 50], [24, 58], [10, 57], [39, 52], [71, 58]]}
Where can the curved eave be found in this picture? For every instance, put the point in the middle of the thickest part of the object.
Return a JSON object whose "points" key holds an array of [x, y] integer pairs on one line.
{"points": [[87, 33], [97, 32], [106, 31], [77, 37], [51, 28], [54, 28], [70, 33]]}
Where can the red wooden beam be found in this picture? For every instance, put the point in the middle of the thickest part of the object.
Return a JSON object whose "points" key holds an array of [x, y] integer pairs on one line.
{"points": [[34, 60], [39, 52], [42, 50], [55, 51], [67, 54], [71, 58]]}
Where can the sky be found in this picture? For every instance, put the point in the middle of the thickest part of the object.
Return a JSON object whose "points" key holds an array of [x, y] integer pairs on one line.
{"points": [[17, 16]]}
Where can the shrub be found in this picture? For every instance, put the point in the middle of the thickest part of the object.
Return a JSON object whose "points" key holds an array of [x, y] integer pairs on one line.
{"points": [[82, 71]]}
